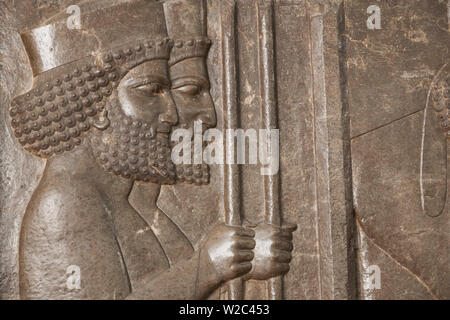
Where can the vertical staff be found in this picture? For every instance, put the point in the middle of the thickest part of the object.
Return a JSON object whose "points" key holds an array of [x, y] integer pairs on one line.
{"points": [[269, 112], [232, 201]]}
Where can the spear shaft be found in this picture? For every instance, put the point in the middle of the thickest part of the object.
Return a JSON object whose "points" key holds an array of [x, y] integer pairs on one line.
{"points": [[269, 119], [232, 190]]}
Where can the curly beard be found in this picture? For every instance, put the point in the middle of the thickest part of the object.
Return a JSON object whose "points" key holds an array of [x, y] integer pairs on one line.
{"points": [[198, 174], [193, 174], [130, 149]]}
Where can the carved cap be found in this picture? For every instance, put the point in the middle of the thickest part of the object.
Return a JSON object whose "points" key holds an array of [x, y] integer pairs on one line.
{"points": [[186, 25], [185, 49], [185, 18], [104, 26]]}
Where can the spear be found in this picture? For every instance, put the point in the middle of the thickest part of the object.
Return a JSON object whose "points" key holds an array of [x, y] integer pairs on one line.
{"points": [[232, 201], [269, 119]]}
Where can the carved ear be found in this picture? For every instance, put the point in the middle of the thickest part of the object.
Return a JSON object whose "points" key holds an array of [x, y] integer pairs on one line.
{"points": [[102, 121]]}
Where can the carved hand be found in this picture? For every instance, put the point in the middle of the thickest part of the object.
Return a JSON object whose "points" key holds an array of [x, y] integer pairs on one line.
{"points": [[272, 252], [230, 250]]}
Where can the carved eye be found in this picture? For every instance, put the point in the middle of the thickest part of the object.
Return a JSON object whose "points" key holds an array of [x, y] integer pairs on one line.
{"points": [[150, 89], [189, 89]]}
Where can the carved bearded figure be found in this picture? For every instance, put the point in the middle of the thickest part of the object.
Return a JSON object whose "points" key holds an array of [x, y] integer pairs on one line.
{"points": [[101, 111]]}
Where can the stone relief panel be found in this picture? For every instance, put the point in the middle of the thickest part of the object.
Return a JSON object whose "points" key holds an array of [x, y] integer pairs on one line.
{"points": [[104, 99], [93, 205]]}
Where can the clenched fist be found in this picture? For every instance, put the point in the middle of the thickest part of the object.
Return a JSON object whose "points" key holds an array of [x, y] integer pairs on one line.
{"points": [[230, 250], [272, 252]]}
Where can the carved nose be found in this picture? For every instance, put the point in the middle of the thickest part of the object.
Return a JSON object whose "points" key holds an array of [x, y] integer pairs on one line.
{"points": [[208, 115], [208, 118], [169, 116]]}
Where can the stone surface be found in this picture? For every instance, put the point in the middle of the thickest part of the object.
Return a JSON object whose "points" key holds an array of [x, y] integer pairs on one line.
{"points": [[363, 155], [399, 152], [410, 47], [388, 208]]}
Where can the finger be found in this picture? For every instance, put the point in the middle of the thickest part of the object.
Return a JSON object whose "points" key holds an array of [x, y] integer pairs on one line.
{"points": [[283, 245], [241, 231], [284, 235], [246, 244], [282, 268], [282, 256], [236, 229], [244, 256], [244, 232], [249, 225], [289, 227], [241, 268]]}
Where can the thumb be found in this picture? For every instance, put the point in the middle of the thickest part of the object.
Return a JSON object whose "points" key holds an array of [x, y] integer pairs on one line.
{"points": [[289, 227]]}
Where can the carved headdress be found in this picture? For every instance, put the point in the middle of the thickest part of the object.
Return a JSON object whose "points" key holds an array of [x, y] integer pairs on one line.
{"points": [[76, 68], [186, 25]]}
